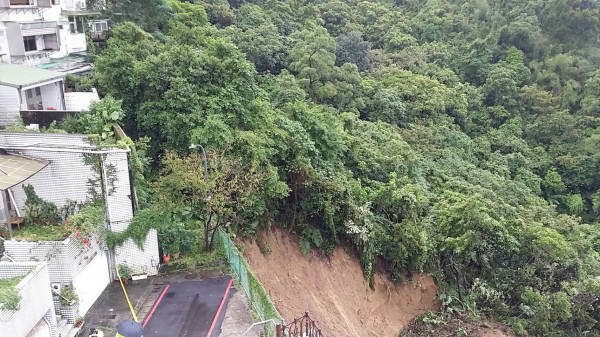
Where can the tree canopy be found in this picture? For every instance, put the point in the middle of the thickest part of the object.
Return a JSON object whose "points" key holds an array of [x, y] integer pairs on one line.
{"points": [[455, 137]]}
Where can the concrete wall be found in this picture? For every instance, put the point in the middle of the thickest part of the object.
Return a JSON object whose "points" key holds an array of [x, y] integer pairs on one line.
{"points": [[66, 178], [3, 44], [69, 263], [52, 96], [91, 281], [22, 15], [68, 43], [140, 260], [75, 42], [65, 258], [9, 105], [36, 299]]}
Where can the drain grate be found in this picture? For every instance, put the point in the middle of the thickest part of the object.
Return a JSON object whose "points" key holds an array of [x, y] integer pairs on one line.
{"points": [[108, 316]]}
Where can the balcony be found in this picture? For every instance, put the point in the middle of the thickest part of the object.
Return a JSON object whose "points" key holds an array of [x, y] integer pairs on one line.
{"points": [[31, 42], [25, 3], [99, 36]]}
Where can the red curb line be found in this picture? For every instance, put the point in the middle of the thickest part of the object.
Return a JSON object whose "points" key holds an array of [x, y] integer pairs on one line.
{"points": [[155, 305], [212, 326]]}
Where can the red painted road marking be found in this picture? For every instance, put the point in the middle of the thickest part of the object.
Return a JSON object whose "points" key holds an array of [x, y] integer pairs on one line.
{"points": [[212, 326], [155, 305]]}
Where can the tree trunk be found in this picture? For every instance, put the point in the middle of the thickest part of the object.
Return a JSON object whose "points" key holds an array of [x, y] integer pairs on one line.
{"points": [[207, 231]]}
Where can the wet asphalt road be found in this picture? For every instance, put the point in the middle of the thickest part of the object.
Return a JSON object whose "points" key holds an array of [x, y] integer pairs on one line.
{"points": [[188, 309]]}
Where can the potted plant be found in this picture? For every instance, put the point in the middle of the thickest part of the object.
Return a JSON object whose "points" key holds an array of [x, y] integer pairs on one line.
{"points": [[68, 297], [124, 272], [166, 258], [68, 302], [79, 322], [167, 236]]}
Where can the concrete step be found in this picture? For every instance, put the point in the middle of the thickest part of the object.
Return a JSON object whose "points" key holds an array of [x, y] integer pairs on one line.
{"points": [[65, 330], [74, 331], [61, 324]]}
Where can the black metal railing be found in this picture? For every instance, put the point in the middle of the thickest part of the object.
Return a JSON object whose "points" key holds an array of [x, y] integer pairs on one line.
{"points": [[45, 117], [300, 327]]}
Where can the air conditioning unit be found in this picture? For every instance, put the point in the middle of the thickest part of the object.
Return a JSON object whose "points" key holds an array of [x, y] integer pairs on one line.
{"points": [[56, 287]]}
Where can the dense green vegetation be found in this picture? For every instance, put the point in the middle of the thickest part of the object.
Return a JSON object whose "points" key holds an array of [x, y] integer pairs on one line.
{"points": [[9, 294], [455, 137]]}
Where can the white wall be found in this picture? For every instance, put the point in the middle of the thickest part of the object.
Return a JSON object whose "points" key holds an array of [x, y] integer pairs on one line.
{"points": [[141, 261], [91, 281], [3, 45], [9, 105], [66, 178], [9, 99], [67, 175], [120, 211], [36, 300], [41, 329], [52, 96], [22, 15], [75, 42], [68, 43], [66, 259]]}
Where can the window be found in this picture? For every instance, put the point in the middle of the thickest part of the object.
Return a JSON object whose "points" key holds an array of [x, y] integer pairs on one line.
{"points": [[33, 92], [55, 2], [100, 26], [21, 2], [30, 44], [76, 24]]}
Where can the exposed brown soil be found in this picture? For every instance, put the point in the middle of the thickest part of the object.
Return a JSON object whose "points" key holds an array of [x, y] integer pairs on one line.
{"points": [[334, 291]]}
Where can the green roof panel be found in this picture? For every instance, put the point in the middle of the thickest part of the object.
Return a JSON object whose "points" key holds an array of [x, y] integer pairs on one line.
{"points": [[19, 76]]}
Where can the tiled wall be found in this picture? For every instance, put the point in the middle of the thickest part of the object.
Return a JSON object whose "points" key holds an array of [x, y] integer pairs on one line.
{"points": [[141, 261], [65, 258], [65, 178], [120, 211], [36, 299]]}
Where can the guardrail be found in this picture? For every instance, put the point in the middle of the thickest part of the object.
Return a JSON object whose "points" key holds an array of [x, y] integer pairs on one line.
{"points": [[256, 293]]}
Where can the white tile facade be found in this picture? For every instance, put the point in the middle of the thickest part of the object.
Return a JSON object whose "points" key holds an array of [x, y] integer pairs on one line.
{"points": [[68, 41], [66, 177], [36, 299], [65, 258]]}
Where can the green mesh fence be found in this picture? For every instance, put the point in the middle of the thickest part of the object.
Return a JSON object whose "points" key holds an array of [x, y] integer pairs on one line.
{"points": [[256, 293]]}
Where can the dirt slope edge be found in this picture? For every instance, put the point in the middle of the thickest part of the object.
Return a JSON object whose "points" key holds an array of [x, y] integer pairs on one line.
{"points": [[335, 293]]}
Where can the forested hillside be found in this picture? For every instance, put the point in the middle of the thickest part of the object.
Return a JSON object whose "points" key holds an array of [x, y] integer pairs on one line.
{"points": [[459, 138]]}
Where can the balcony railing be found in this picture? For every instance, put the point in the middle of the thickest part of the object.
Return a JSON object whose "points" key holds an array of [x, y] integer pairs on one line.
{"points": [[100, 36], [25, 3], [45, 117]]}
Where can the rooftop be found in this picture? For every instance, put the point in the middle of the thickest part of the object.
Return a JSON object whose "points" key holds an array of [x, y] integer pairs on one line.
{"points": [[15, 169], [19, 76], [73, 63]]}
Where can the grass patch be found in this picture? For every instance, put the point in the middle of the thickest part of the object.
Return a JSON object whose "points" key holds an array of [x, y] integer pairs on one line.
{"points": [[194, 261], [9, 295], [41, 233], [197, 258]]}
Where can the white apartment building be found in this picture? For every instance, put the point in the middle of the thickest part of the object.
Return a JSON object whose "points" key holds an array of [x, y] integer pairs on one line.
{"points": [[34, 32]]}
